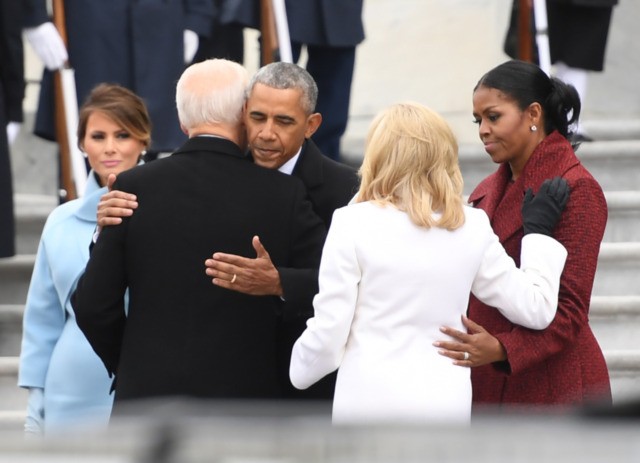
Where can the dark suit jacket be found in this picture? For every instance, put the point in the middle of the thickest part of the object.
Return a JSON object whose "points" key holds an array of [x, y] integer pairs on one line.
{"points": [[334, 23], [330, 185], [562, 364], [183, 335], [11, 95]]}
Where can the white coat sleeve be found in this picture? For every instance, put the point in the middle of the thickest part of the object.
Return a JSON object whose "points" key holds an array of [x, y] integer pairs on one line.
{"points": [[527, 296], [320, 348]]}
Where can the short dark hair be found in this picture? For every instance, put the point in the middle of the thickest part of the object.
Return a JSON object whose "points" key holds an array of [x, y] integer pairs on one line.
{"points": [[283, 75]]}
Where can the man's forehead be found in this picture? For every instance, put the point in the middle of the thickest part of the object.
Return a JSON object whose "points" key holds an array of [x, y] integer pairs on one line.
{"points": [[274, 99]]}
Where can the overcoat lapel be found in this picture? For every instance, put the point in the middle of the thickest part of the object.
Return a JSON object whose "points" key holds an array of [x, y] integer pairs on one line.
{"points": [[503, 204], [309, 166]]}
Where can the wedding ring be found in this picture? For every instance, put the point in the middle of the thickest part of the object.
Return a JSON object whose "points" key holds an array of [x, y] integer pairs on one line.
{"points": [[466, 354], [233, 280]]}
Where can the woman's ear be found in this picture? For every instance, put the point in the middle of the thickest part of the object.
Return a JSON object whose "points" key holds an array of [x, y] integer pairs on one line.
{"points": [[534, 112]]}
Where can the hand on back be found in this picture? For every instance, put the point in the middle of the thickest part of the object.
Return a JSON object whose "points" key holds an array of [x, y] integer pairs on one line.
{"points": [[114, 205]]}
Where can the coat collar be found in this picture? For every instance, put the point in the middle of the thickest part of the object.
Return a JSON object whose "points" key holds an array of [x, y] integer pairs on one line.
{"points": [[89, 202], [496, 195], [217, 144], [309, 167]]}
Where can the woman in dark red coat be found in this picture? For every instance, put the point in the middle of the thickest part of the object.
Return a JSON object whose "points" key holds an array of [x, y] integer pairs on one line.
{"points": [[524, 119]]}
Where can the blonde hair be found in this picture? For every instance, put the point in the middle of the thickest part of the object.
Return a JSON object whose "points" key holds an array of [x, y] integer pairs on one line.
{"points": [[411, 161]]}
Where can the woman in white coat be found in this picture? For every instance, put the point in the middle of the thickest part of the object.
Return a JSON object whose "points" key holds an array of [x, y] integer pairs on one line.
{"points": [[401, 262], [68, 384]]}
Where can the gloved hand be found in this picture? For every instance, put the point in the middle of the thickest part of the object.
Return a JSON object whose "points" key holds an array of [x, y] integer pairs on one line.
{"points": [[13, 128], [541, 213], [191, 42], [48, 45], [34, 424]]}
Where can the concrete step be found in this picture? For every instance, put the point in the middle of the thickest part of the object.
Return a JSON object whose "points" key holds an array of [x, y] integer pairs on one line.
{"points": [[624, 371], [15, 274], [623, 223], [10, 329], [618, 272], [613, 129], [615, 321], [12, 398], [623, 365], [613, 163], [31, 212]]}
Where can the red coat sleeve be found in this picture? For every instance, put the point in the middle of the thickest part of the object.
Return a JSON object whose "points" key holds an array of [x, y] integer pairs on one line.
{"points": [[580, 230]]}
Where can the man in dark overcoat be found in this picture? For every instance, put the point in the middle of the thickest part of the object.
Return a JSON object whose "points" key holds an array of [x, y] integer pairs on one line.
{"points": [[280, 118], [183, 335]]}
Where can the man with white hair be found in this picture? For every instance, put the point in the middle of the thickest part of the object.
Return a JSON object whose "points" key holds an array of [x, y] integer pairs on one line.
{"points": [[182, 335]]}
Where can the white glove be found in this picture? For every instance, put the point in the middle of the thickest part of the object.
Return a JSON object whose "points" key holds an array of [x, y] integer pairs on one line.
{"points": [[34, 424], [48, 45], [13, 128], [191, 42]]}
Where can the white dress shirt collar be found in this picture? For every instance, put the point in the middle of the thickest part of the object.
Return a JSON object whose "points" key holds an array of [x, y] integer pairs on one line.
{"points": [[287, 167]]}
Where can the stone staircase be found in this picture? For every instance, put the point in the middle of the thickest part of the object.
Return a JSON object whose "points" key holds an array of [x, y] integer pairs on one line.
{"points": [[615, 309]]}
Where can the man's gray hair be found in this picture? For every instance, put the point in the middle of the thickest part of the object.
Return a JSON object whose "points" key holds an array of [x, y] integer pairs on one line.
{"points": [[285, 76]]}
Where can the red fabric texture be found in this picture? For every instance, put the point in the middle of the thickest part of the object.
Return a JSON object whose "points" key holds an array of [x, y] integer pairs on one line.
{"points": [[562, 365]]}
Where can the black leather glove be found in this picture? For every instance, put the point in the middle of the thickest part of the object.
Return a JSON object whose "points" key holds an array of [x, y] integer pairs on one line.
{"points": [[541, 213]]}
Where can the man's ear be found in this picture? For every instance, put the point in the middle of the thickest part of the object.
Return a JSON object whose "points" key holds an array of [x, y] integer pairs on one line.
{"points": [[313, 122]]}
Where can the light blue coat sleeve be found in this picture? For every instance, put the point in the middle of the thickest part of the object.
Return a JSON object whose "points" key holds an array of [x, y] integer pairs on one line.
{"points": [[44, 319]]}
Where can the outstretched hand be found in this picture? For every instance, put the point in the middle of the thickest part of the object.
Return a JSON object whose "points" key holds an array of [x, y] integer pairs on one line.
{"points": [[481, 347], [257, 277], [541, 212], [114, 205]]}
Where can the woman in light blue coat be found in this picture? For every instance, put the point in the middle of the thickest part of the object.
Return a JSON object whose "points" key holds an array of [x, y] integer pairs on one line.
{"points": [[68, 384]]}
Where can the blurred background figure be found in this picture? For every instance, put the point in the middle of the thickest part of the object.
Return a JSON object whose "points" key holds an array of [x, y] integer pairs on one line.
{"points": [[578, 33], [329, 30], [141, 45], [225, 40], [11, 96], [67, 382]]}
